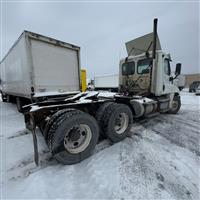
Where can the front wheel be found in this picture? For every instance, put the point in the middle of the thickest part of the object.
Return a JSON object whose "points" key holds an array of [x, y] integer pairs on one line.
{"points": [[176, 105], [73, 136]]}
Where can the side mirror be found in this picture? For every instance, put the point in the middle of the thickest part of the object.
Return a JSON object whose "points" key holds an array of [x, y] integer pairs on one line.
{"points": [[178, 69]]}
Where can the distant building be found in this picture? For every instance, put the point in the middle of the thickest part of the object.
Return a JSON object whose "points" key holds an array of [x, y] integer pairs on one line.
{"points": [[189, 78]]}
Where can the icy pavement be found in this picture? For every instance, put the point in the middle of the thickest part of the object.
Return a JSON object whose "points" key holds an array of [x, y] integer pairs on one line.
{"points": [[160, 160]]}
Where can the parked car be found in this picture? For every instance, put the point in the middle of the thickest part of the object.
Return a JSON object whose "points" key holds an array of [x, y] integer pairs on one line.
{"points": [[194, 86], [198, 90]]}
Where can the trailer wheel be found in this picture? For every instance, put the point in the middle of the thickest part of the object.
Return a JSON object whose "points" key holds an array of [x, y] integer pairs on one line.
{"points": [[117, 120], [73, 137], [176, 104], [99, 116]]}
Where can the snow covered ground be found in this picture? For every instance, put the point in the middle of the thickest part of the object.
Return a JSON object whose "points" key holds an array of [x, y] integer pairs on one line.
{"points": [[160, 160]]}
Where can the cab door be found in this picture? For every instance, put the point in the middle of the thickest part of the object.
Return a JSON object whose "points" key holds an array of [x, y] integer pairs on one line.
{"points": [[167, 84]]}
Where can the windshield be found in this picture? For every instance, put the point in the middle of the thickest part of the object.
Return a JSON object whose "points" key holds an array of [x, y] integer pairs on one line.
{"points": [[128, 68]]}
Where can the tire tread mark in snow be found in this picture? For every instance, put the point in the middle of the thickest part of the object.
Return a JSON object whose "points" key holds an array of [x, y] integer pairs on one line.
{"points": [[27, 166], [183, 139], [30, 160], [135, 165], [19, 134]]}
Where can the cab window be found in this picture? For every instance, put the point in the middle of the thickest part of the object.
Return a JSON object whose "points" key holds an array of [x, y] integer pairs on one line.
{"points": [[128, 68], [167, 68], [143, 66]]}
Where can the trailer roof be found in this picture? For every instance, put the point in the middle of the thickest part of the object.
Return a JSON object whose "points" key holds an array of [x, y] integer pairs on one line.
{"points": [[44, 39]]}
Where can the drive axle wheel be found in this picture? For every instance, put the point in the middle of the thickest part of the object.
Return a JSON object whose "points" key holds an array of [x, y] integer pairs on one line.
{"points": [[73, 136], [117, 121], [121, 123], [50, 122], [77, 138], [99, 117]]}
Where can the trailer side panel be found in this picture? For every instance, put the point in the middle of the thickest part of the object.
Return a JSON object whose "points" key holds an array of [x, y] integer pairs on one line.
{"points": [[15, 71]]}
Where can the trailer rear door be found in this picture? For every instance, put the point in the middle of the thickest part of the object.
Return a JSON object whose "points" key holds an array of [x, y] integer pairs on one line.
{"points": [[55, 68]]}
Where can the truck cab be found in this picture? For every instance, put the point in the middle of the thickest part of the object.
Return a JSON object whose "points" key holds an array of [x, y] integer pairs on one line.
{"points": [[136, 75], [146, 71]]}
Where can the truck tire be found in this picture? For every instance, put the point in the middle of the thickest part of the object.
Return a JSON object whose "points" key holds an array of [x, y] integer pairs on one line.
{"points": [[175, 105], [99, 117], [116, 122], [52, 120], [73, 136]]}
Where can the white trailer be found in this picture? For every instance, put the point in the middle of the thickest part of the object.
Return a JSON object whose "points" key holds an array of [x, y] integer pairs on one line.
{"points": [[107, 82], [38, 67]]}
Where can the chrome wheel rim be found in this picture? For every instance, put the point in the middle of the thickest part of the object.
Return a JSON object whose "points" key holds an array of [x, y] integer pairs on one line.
{"points": [[121, 123], [77, 138]]}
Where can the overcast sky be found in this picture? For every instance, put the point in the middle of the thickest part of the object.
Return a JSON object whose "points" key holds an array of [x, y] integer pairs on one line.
{"points": [[101, 29]]}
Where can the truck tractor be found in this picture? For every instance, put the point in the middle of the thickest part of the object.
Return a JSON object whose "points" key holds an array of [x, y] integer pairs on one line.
{"points": [[72, 126]]}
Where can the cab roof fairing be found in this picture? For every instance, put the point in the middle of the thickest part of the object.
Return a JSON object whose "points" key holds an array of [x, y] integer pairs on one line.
{"points": [[142, 44]]}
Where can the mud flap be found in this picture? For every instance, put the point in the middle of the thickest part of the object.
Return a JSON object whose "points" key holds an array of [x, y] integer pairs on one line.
{"points": [[36, 155], [35, 145]]}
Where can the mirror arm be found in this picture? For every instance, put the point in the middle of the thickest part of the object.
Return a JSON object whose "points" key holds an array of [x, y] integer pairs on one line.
{"points": [[176, 75], [171, 78]]}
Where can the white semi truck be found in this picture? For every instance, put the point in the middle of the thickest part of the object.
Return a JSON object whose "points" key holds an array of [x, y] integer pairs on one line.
{"points": [[72, 127], [38, 67]]}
